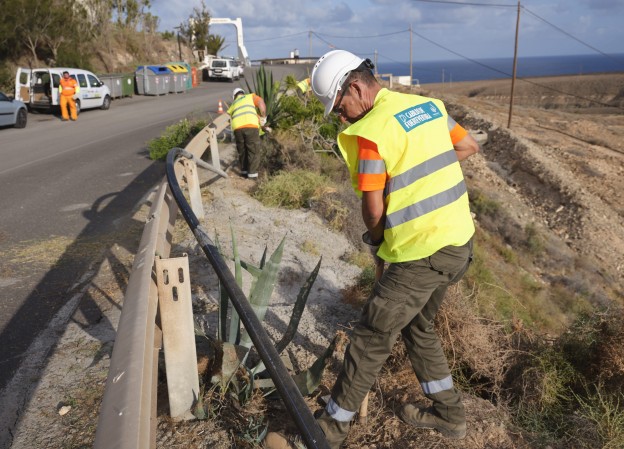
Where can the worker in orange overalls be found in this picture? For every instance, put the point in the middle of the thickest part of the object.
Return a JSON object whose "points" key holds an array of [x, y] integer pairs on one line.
{"points": [[67, 89]]}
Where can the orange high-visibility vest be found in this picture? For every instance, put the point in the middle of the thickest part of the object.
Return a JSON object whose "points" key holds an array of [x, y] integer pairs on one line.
{"points": [[69, 87]]}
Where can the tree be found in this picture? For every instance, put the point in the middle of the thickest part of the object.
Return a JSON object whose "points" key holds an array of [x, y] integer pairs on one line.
{"points": [[215, 44], [197, 31]]}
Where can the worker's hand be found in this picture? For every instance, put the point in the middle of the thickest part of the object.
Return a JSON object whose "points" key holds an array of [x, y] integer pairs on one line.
{"points": [[263, 121]]}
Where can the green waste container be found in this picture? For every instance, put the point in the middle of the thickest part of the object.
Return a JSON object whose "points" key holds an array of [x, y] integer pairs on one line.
{"points": [[127, 85]]}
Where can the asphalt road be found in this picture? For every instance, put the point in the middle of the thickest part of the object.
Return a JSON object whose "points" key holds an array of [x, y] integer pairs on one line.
{"points": [[67, 183], [69, 190]]}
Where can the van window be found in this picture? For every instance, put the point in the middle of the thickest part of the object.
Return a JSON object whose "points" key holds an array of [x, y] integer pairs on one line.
{"points": [[23, 77], [56, 80], [219, 63], [82, 80], [93, 81]]}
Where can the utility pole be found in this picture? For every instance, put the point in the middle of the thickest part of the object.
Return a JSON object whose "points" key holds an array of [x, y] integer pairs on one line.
{"points": [[410, 59], [515, 63], [375, 62], [179, 46]]}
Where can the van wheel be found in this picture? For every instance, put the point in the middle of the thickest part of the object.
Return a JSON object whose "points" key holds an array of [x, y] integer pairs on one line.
{"points": [[106, 103], [22, 118], [77, 107]]}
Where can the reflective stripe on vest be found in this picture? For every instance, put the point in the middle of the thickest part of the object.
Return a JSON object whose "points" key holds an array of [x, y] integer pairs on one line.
{"points": [[425, 194], [243, 113], [68, 87]]}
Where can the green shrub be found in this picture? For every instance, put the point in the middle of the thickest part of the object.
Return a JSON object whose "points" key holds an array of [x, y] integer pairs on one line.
{"points": [[534, 241], [292, 190], [605, 413], [177, 135], [483, 205]]}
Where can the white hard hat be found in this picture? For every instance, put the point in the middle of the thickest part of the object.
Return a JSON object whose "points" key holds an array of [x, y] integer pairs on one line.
{"points": [[329, 73], [237, 91]]}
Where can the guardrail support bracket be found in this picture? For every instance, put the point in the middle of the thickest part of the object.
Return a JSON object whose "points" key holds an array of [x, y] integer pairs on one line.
{"points": [[176, 314], [192, 182]]}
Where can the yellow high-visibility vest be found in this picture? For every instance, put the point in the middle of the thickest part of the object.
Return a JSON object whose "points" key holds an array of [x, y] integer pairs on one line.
{"points": [[243, 112], [304, 85], [425, 195]]}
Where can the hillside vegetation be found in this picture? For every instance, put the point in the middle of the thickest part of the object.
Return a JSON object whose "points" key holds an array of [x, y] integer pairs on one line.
{"points": [[99, 35]]}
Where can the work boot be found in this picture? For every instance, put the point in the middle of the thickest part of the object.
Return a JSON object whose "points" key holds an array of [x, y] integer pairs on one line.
{"points": [[335, 431], [276, 440], [428, 418]]}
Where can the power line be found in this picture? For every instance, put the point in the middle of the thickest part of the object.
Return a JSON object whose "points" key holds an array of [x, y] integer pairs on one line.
{"points": [[568, 34], [467, 3], [362, 37], [276, 37], [508, 75]]}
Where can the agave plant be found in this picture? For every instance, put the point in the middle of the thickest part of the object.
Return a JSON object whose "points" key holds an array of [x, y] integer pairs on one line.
{"points": [[238, 344], [270, 91]]}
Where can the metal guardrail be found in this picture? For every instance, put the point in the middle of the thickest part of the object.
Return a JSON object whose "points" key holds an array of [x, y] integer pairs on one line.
{"points": [[128, 412]]}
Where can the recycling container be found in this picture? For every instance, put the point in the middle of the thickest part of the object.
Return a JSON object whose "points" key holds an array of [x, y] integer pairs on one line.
{"points": [[152, 80], [177, 78], [114, 83]]}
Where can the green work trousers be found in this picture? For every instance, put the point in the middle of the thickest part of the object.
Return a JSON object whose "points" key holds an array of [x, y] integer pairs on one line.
{"points": [[405, 300], [248, 147]]}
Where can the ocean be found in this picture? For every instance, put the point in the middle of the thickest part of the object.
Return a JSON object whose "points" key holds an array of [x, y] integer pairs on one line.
{"points": [[485, 69]]}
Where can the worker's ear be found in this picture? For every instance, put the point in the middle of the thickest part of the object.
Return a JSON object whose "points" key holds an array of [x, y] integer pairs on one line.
{"points": [[356, 89]]}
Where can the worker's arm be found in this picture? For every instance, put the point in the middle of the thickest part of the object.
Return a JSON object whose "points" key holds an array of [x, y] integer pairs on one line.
{"points": [[373, 214], [261, 106], [464, 143], [466, 147]]}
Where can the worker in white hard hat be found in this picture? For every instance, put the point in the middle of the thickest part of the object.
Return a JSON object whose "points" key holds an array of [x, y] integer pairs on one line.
{"points": [[403, 153], [247, 113]]}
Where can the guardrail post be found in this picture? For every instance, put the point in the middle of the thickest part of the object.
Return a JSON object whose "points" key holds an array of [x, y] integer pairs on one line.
{"points": [[176, 315], [214, 147], [192, 183]]}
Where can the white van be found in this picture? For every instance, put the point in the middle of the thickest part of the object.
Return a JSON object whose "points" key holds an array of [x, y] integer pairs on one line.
{"points": [[222, 68], [38, 88]]}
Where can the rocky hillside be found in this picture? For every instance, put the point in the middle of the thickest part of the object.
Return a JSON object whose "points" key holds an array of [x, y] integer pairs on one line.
{"points": [[559, 167]]}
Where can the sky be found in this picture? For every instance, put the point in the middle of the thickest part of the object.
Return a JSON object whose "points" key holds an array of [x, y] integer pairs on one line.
{"points": [[441, 29]]}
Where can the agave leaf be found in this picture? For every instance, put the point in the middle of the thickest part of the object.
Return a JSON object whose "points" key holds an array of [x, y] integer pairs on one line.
{"points": [[199, 411], [259, 273], [300, 304], [224, 300], [234, 336], [295, 318], [261, 293], [263, 259], [252, 269], [307, 381]]}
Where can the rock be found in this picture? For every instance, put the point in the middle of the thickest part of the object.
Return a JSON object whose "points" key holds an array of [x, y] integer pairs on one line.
{"points": [[64, 410]]}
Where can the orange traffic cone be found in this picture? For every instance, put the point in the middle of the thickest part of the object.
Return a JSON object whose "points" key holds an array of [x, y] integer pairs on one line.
{"points": [[220, 110]]}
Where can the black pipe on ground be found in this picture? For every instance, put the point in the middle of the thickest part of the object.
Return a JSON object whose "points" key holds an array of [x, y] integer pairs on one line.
{"points": [[310, 430]]}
